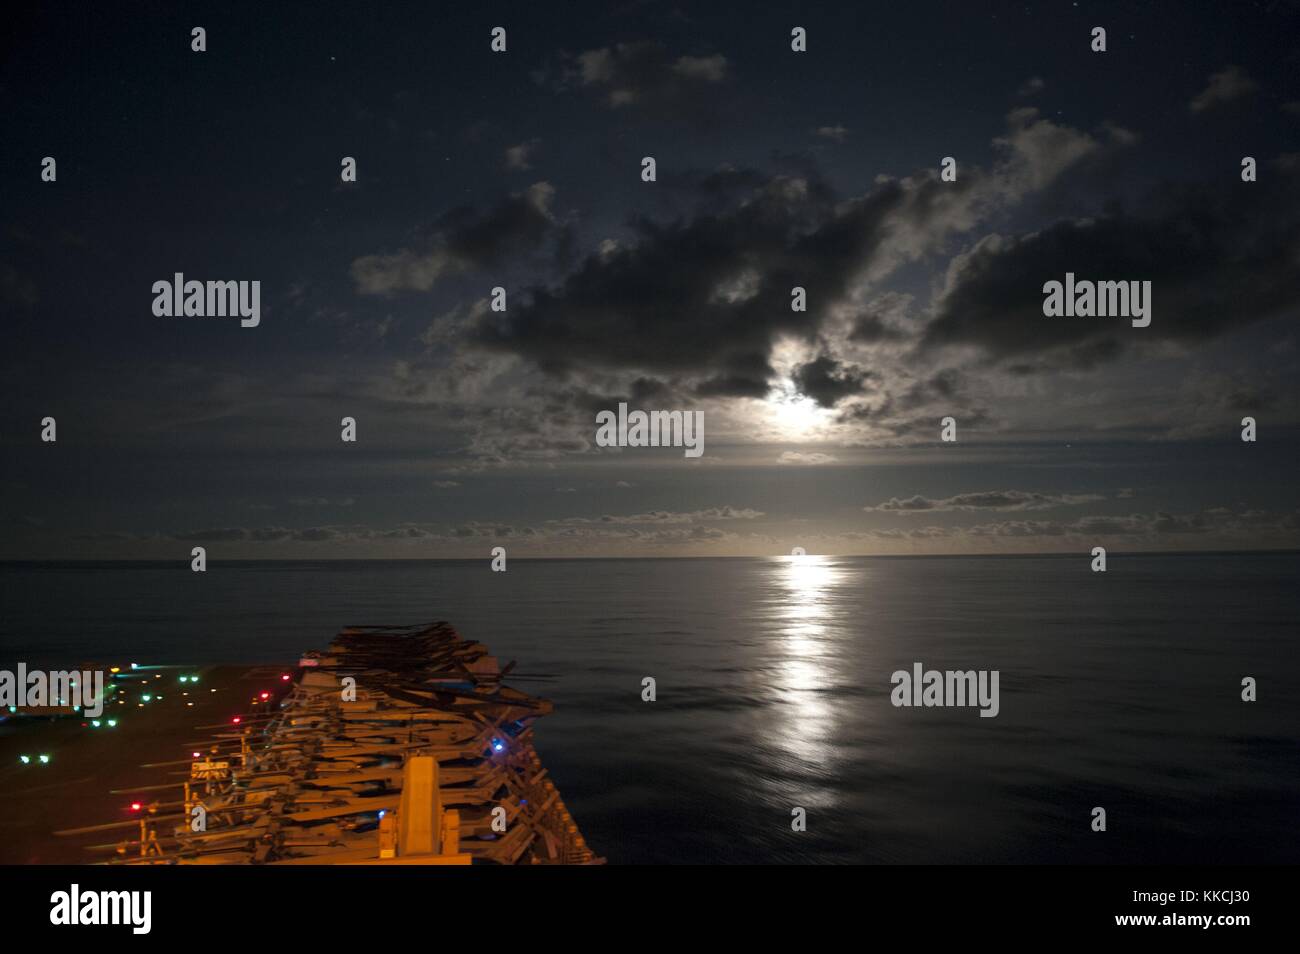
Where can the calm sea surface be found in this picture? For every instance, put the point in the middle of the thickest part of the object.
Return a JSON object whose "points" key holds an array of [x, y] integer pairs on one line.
{"points": [[1119, 690]]}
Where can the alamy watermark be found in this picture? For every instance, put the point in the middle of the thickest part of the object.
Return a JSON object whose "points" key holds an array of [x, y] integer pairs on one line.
{"points": [[931, 687], [1088, 299], [37, 689], [651, 429], [74, 906], [195, 299]]}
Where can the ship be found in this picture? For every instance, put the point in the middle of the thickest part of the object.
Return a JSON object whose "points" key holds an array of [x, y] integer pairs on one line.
{"points": [[397, 745]]}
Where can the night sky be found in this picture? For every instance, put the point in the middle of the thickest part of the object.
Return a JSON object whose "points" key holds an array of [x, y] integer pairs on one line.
{"points": [[522, 170]]}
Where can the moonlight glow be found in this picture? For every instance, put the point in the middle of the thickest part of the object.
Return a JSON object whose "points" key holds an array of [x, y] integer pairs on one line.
{"points": [[796, 417]]}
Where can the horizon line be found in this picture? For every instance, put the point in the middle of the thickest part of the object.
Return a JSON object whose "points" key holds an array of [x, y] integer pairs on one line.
{"points": [[770, 556]]}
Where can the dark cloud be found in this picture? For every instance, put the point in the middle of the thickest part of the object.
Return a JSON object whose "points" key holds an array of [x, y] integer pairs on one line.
{"points": [[706, 298], [827, 381], [1031, 87], [913, 407], [493, 530], [708, 515], [872, 328], [519, 157], [299, 535], [806, 458], [1224, 86], [461, 240], [701, 300], [735, 386], [1217, 258], [1221, 523], [214, 535], [1232, 393], [985, 500], [644, 77]]}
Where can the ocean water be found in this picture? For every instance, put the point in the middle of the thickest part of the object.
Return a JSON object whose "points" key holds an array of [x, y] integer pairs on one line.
{"points": [[1120, 690]]}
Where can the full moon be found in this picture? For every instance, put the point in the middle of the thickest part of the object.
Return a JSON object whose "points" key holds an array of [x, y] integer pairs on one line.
{"points": [[796, 416]]}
